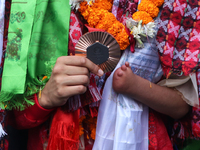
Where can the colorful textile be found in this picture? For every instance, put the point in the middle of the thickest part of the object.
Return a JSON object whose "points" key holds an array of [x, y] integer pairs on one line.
{"points": [[64, 133], [34, 119], [121, 8], [15, 64], [120, 105], [178, 36], [28, 59], [158, 136], [124, 112], [178, 44], [75, 31]]}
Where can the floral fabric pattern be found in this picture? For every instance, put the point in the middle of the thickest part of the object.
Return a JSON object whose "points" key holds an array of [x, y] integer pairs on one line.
{"points": [[178, 43], [178, 39]]}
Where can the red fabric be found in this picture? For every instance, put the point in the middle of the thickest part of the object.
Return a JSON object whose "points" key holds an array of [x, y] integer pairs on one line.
{"points": [[32, 118], [178, 44], [75, 31], [90, 29], [158, 136], [178, 39], [36, 112], [64, 132]]}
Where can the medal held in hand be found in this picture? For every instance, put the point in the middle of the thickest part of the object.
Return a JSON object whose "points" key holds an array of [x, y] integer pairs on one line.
{"points": [[101, 48]]}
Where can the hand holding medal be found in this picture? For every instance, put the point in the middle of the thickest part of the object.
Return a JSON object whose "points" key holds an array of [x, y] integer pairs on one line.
{"points": [[101, 48]]}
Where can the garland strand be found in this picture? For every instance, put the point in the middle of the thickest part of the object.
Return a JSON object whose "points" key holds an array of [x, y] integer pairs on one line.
{"points": [[98, 16]]}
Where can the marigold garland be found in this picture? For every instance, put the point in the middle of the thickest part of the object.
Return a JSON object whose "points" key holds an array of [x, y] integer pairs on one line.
{"points": [[142, 15], [95, 17], [158, 3], [103, 4], [98, 16], [149, 7], [80, 125], [106, 23], [91, 122]]}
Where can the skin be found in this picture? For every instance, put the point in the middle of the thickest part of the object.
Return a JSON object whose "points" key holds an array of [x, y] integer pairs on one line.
{"points": [[162, 99], [70, 76]]}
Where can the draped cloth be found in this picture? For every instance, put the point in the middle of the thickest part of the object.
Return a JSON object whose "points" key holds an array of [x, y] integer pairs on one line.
{"points": [[34, 44], [123, 122], [178, 45]]}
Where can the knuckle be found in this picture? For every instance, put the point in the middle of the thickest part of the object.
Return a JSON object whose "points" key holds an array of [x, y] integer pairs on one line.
{"points": [[81, 89], [83, 60], [59, 92], [58, 80], [57, 69], [85, 79], [95, 68], [85, 71], [59, 59]]}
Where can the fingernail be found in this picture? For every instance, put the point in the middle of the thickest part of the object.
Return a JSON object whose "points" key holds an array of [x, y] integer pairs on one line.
{"points": [[100, 72]]}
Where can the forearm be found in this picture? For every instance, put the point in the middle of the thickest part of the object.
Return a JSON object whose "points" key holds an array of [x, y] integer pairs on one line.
{"points": [[162, 99]]}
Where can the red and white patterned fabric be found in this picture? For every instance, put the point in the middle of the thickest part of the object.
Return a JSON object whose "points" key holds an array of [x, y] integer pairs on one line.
{"points": [[122, 8], [75, 31], [178, 43], [178, 38]]}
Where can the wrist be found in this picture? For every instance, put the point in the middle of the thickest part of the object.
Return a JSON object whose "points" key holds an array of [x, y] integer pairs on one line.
{"points": [[43, 100], [37, 113]]}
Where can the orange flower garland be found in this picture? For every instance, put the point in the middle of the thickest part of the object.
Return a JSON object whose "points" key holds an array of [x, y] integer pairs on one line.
{"points": [[158, 3], [91, 122], [148, 9], [103, 4], [80, 125], [105, 23], [142, 15], [92, 125], [95, 17], [98, 16]]}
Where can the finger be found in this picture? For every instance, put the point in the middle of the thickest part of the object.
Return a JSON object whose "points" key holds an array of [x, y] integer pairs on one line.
{"points": [[81, 61], [68, 91], [75, 70], [91, 66], [75, 80]]}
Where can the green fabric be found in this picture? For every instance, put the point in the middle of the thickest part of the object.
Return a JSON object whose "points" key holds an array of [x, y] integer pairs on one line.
{"points": [[38, 35], [15, 65], [191, 144]]}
